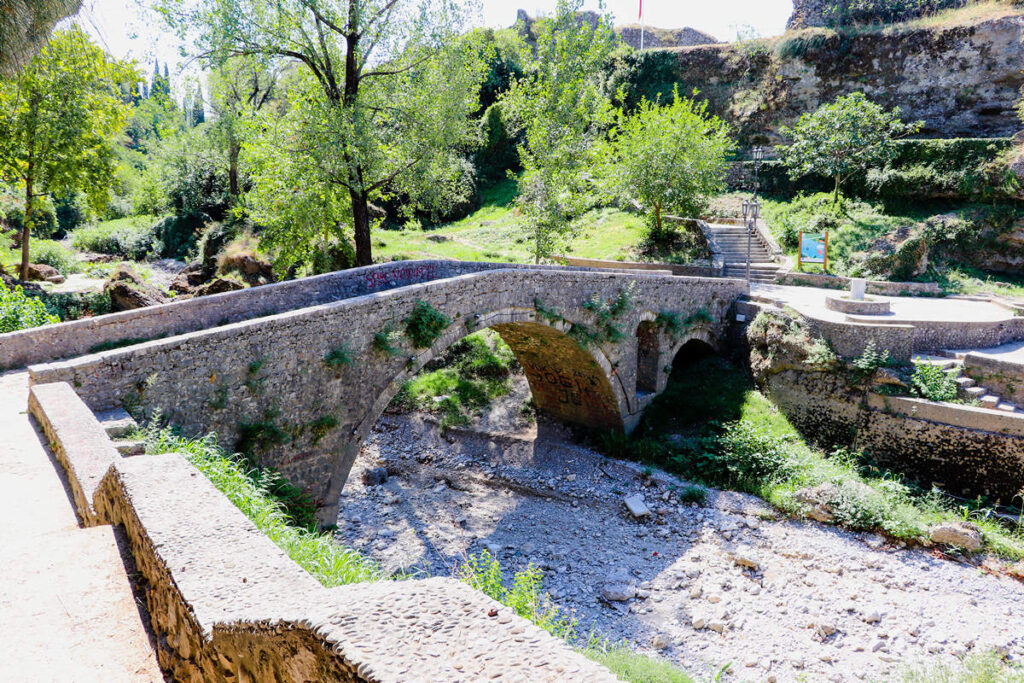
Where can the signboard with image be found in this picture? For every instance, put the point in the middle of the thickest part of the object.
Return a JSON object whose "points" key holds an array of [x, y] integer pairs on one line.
{"points": [[813, 249]]}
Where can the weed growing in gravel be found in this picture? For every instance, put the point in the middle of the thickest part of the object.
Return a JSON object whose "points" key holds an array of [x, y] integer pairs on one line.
{"points": [[986, 667], [252, 492]]}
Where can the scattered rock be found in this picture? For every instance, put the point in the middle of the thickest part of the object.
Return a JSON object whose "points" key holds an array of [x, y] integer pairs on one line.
{"points": [[218, 286], [375, 476], [818, 499], [961, 534], [44, 273], [255, 271], [660, 641], [637, 507], [192, 276], [746, 557], [128, 291], [618, 592]]}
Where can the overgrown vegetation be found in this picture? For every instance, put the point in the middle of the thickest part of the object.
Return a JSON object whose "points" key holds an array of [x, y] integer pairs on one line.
{"points": [[19, 312], [979, 667], [425, 324], [932, 382], [710, 426], [258, 494], [471, 374]]}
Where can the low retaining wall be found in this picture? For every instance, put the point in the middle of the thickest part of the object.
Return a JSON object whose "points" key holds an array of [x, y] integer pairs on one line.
{"points": [[999, 376], [66, 340], [968, 451], [684, 269], [229, 605], [873, 286]]}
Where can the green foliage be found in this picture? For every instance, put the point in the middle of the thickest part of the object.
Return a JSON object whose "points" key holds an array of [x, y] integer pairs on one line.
{"points": [[670, 158], [821, 356], [59, 120], [386, 342], [497, 155], [55, 255], [871, 360], [260, 496], [637, 668], [19, 312], [77, 305], [560, 110], [670, 323], [322, 426], [604, 330], [693, 494], [71, 211], [930, 381], [845, 137], [977, 667], [471, 374], [754, 456], [339, 357], [850, 12], [425, 324], [130, 238], [261, 435], [525, 597]]}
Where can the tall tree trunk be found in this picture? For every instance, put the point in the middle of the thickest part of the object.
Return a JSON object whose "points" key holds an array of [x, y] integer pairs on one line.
{"points": [[361, 226], [233, 151], [657, 217], [835, 193], [26, 230]]}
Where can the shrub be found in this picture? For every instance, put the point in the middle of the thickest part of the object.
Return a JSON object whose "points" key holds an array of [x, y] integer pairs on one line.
{"points": [[339, 357], [53, 254], [694, 494], [19, 312], [130, 238], [871, 360], [933, 383], [821, 356], [70, 212], [754, 456], [386, 342], [425, 324]]}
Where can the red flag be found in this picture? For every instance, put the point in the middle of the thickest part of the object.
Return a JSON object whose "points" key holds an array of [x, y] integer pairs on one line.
{"points": [[641, 9]]}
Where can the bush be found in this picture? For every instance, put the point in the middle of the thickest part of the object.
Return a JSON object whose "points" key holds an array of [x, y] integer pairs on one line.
{"points": [[176, 236], [498, 154], [130, 238], [425, 324], [933, 383], [70, 212], [754, 456], [45, 216], [53, 254], [19, 312]]}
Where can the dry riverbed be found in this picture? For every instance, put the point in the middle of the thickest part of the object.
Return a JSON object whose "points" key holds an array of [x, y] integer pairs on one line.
{"points": [[705, 586]]}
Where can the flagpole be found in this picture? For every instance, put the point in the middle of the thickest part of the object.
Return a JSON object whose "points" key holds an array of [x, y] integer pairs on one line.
{"points": [[641, 25]]}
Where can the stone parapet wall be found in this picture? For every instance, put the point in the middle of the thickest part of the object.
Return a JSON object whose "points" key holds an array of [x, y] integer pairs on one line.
{"points": [[681, 269], [80, 337], [227, 604], [850, 339], [873, 286]]}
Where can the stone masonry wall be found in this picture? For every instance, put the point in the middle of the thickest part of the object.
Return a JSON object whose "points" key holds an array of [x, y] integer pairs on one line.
{"points": [[264, 385], [80, 337], [228, 605]]}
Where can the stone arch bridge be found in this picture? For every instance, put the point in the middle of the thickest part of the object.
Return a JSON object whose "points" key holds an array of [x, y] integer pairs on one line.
{"points": [[298, 373]]}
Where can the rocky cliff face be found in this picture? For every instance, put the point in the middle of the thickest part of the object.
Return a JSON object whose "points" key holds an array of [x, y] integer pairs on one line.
{"points": [[660, 37], [961, 80]]}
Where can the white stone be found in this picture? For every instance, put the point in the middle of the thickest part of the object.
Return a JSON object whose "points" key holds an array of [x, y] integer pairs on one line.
{"points": [[858, 287], [637, 507]]}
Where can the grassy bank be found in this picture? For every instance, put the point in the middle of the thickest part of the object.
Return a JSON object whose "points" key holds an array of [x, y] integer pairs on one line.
{"points": [[711, 426]]}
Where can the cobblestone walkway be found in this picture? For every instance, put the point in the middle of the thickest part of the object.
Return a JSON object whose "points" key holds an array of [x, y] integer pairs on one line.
{"points": [[67, 612]]}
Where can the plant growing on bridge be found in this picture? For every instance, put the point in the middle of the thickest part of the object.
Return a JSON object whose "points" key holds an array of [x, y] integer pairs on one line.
{"points": [[322, 426], [425, 324], [19, 312], [844, 137], [386, 342], [261, 435], [339, 357]]}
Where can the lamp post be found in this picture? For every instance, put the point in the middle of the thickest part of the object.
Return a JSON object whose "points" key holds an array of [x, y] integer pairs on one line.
{"points": [[758, 155], [751, 212]]}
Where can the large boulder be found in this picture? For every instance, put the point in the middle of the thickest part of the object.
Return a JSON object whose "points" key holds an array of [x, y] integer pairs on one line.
{"points": [[194, 275], [128, 291], [40, 272], [960, 534], [255, 271], [218, 286]]}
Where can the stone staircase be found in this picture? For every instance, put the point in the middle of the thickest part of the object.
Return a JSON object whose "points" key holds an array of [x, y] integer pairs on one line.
{"points": [[967, 388], [122, 430], [730, 243]]}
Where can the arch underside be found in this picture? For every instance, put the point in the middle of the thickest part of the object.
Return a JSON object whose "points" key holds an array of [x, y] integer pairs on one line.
{"points": [[565, 380]]}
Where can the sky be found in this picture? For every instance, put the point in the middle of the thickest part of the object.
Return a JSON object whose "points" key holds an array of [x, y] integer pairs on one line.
{"points": [[127, 30]]}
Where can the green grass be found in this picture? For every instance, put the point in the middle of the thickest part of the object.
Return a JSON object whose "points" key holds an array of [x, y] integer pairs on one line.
{"points": [[711, 426], [131, 238], [252, 493], [638, 668], [964, 280], [987, 667], [473, 372], [47, 252], [493, 233]]}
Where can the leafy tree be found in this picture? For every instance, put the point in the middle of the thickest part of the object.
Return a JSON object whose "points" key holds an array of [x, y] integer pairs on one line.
{"points": [[394, 90], [561, 111], [669, 158], [239, 87], [844, 137], [59, 119]]}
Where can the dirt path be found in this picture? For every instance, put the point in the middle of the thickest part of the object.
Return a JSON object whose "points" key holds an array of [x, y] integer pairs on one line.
{"points": [[703, 585], [67, 612]]}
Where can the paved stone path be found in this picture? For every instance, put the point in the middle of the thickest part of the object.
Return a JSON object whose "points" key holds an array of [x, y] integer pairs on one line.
{"points": [[67, 612], [920, 309]]}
